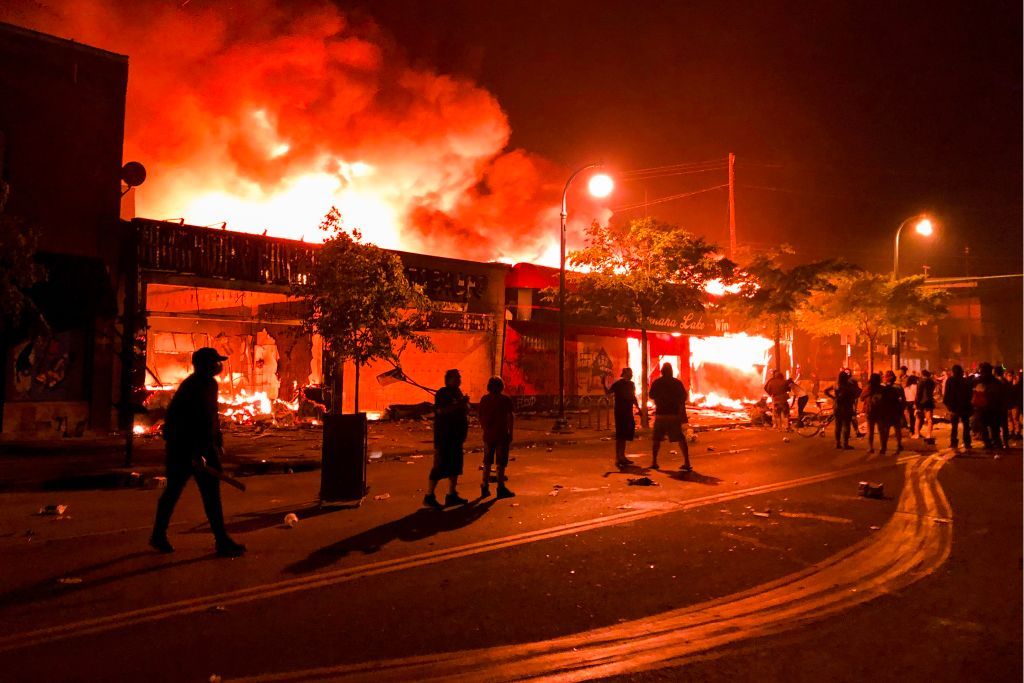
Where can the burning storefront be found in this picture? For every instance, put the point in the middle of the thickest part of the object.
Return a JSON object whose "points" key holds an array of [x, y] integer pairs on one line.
{"points": [[203, 287], [723, 370]]}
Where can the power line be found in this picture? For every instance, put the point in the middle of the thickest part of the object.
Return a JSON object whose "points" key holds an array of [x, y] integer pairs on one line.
{"points": [[669, 198]]}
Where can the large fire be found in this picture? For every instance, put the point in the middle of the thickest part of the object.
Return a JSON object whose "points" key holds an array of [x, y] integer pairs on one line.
{"points": [[261, 115], [729, 370]]}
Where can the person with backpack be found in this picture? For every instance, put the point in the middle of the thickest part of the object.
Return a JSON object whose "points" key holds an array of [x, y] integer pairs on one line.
{"points": [[778, 388], [894, 401], [956, 396]]}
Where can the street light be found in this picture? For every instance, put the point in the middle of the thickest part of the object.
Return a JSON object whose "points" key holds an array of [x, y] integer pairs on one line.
{"points": [[600, 185], [924, 228]]}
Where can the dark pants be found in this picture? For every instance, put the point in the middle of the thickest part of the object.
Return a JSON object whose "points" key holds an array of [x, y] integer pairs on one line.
{"points": [[990, 427], [842, 426], [911, 415], [801, 405], [955, 420], [178, 475]]}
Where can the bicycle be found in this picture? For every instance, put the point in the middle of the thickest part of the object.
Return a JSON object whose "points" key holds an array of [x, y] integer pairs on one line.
{"points": [[815, 423]]}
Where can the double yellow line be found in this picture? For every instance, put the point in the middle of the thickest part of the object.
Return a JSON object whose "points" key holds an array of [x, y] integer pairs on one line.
{"points": [[17, 641]]}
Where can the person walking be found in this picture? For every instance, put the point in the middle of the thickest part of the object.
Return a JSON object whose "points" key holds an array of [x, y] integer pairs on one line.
{"points": [[1003, 416], [778, 388], [451, 426], [496, 418], [669, 396], [956, 396], [875, 409], [194, 448], [844, 397], [910, 406], [624, 392], [926, 406]]}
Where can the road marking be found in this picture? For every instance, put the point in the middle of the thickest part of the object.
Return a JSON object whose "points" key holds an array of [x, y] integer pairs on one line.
{"points": [[820, 518], [111, 622], [909, 547]]}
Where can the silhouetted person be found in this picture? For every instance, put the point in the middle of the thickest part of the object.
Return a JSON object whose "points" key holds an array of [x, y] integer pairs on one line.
{"points": [[778, 388], [894, 401], [194, 442], [451, 426], [624, 391], [844, 397], [910, 405], [669, 396], [1003, 417], [496, 418], [956, 396], [926, 406], [875, 409], [987, 400]]}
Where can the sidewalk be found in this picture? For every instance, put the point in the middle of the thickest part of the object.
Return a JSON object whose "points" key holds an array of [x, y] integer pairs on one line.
{"points": [[97, 463]]}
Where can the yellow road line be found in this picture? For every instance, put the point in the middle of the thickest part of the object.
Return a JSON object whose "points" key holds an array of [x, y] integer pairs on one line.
{"points": [[909, 547], [25, 639]]}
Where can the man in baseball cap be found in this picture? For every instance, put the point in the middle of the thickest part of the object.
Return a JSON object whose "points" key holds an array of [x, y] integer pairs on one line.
{"points": [[194, 444]]}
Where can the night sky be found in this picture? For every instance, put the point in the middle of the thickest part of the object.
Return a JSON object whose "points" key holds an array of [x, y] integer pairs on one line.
{"points": [[845, 117]]}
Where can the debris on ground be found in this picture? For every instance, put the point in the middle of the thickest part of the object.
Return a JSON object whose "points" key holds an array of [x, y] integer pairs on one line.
{"points": [[291, 519], [382, 496], [53, 510], [875, 528], [765, 513], [943, 520], [642, 481], [711, 448], [69, 580], [376, 455], [869, 490], [218, 608]]}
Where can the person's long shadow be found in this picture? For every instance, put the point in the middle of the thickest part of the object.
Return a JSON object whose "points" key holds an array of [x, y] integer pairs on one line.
{"points": [[695, 477], [247, 522], [51, 587], [421, 524]]}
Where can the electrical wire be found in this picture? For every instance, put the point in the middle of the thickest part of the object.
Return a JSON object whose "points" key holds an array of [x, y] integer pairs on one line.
{"points": [[669, 198]]}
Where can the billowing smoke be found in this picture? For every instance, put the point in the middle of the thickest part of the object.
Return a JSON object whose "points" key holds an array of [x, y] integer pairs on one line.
{"points": [[264, 113]]}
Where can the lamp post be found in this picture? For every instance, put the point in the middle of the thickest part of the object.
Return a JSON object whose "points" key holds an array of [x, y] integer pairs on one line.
{"points": [[924, 228], [600, 186]]}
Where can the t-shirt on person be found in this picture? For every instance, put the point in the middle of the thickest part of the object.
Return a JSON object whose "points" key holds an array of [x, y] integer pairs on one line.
{"points": [[496, 417], [669, 396], [624, 391]]}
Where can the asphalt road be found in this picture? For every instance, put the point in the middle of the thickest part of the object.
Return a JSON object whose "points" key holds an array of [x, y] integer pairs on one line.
{"points": [[764, 564]]}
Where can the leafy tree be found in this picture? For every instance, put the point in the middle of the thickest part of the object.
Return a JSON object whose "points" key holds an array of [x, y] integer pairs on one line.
{"points": [[18, 269], [359, 301], [640, 271], [873, 305], [773, 295]]}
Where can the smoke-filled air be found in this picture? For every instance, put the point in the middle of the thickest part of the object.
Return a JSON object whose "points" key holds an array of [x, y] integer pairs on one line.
{"points": [[266, 113]]}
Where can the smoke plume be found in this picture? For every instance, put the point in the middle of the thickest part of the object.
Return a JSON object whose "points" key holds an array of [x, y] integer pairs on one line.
{"points": [[265, 113]]}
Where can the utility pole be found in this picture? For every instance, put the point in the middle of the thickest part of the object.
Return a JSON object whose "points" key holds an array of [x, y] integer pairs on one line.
{"points": [[732, 205]]}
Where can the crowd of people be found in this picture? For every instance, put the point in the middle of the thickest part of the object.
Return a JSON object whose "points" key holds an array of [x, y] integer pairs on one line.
{"points": [[986, 403]]}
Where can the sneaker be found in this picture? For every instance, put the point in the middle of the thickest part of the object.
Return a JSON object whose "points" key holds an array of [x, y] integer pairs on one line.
{"points": [[623, 463], [454, 499], [230, 548], [686, 468], [839, 447], [161, 544], [430, 501], [847, 447], [871, 450], [655, 466], [881, 451], [485, 490], [505, 493]]}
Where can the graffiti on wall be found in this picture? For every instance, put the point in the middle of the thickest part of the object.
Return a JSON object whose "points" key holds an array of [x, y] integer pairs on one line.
{"points": [[47, 368]]}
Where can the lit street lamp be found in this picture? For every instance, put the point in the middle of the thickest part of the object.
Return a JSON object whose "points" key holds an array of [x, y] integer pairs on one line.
{"points": [[924, 228], [600, 185]]}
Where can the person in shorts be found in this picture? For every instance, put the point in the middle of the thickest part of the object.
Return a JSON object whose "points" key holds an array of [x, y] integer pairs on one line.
{"points": [[496, 417], [624, 391], [669, 396], [778, 388], [451, 426]]}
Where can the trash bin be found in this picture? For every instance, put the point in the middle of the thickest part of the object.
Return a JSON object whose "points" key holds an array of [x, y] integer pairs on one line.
{"points": [[343, 468]]}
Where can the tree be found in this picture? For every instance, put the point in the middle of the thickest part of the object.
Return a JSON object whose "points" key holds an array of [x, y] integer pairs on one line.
{"points": [[873, 305], [773, 296], [640, 271], [359, 301]]}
